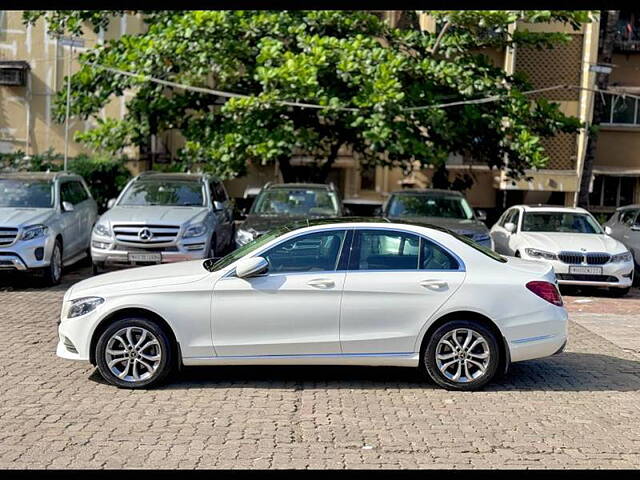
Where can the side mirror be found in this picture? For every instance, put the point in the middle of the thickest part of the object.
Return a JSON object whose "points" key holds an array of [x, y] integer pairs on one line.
{"points": [[111, 203], [249, 267], [67, 207], [481, 215], [217, 206], [607, 229], [510, 227]]}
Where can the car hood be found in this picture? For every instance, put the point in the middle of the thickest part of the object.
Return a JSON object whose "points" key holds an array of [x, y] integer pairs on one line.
{"points": [[458, 225], [16, 216], [574, 242], [264, 223], [140, 278], [154, 214]]}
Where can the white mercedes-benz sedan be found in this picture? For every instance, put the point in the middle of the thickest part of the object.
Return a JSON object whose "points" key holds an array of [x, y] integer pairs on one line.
{"points": [[325, 292], [570, 240]]}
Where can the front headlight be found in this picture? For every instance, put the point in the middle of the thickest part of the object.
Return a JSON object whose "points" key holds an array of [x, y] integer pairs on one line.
{"points": [[245, 236], [621, 257], [535, 253], [34, 231], [82, 306], [194, 230], [102, 230]]}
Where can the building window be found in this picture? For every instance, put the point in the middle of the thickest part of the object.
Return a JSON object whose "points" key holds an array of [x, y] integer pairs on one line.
{"points": [[367, 177], [621, 110], [610, 191]]}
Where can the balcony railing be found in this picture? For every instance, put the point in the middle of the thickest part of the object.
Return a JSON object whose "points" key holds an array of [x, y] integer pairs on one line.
{"points": [[623, 45]]}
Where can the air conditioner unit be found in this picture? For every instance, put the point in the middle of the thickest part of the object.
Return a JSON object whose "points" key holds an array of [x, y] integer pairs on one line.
{"points": [[14, 73]]}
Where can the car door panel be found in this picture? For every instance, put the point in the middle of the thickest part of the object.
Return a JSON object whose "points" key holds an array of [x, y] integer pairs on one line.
{"points": [[385, 303], [293, 309], [282, 314]]}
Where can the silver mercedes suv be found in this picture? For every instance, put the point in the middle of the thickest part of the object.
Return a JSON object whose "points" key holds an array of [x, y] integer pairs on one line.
{"points": [[45, 222], [164, 217]]}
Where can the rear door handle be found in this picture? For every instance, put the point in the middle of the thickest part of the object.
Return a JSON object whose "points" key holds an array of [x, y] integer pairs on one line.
{"points": [[321, 283], [434, 284]]}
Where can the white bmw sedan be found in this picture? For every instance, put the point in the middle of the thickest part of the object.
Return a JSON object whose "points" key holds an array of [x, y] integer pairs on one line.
{"points": [[570, 240], [325, 292]]}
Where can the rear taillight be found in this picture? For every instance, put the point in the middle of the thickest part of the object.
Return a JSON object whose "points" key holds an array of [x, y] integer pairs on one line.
{"points": [[547, 291]]}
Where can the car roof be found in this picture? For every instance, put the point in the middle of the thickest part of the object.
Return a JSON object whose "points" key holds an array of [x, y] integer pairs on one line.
{"points": [[360, 221], [46, 176], [550, 208], [629, 207], [426, 191], [166, 176]]}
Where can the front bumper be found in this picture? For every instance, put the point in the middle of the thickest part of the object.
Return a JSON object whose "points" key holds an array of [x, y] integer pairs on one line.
{"points": [[615, 275], [106, 252], [27, 255]]}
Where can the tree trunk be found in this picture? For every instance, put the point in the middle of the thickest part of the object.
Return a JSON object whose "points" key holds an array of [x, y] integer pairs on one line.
{"points": [[605, 55], [287, 171]]}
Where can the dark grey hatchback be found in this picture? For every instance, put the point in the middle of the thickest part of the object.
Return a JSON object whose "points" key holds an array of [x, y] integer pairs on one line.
{"points": [[444, 208]]}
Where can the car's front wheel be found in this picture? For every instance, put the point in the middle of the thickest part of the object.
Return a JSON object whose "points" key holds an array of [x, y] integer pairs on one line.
{"points": [[134, 353], [461, 355]]}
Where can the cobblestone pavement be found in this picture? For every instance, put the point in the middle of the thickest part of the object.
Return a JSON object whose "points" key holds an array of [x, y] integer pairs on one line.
{"points": [[576, 409]]}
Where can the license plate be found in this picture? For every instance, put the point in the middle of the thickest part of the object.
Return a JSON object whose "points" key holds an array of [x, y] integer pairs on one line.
{"points": [[145, 257], [586, 270]]}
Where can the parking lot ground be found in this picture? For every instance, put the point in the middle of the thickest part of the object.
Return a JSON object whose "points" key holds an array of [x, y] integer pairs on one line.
{"points": [[576, 409]]}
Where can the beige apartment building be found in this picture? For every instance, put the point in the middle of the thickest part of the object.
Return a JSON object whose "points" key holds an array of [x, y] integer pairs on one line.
{"points": [[33, 65]]}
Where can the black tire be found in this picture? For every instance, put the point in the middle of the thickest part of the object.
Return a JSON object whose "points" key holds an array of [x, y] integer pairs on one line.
{"points": [[95, 268], [165, 346], [52, 275], [618, 292], [211, 253], [429, 363], [517, 255]]}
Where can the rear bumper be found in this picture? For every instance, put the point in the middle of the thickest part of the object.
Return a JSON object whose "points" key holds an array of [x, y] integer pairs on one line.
{"points": [[537, 335]]}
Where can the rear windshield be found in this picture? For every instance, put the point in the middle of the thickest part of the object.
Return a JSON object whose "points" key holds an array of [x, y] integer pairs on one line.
{"points": [[26, 193], [169, 193], [481, 248]]}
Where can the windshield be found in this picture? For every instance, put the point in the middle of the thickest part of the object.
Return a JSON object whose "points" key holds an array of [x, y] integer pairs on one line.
{"points": [[172, 193], [429, 205], [26, 193], [300, 202], [559, 222], [212, 266]]}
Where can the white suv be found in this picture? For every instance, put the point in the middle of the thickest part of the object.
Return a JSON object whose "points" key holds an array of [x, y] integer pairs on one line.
{"points": [[571, 240], [45, 222]]}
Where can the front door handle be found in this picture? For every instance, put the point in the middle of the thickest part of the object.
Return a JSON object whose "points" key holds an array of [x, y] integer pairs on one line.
{"points": [[321, 283], [434, 284]]}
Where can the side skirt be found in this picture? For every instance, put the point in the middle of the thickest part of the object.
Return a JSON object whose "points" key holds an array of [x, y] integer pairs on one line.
{"points": [[366, 359]]}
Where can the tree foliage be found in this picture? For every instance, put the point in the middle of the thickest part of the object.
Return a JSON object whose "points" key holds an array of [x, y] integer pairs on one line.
{"points": [[365, 74]]}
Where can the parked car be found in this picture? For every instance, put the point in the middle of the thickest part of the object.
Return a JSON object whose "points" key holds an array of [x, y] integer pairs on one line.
{"points": [[444, 208], [278, 204], [571, 240], [624, 225], [164, 217], [45, 222], [322, 292]]}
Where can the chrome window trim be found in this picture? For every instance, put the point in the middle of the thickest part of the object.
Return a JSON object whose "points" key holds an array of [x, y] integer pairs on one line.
{"points": [[461, 265]]}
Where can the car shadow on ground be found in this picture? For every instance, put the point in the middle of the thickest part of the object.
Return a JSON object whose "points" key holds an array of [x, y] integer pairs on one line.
{"points": [[30, 281], [566, 372]]}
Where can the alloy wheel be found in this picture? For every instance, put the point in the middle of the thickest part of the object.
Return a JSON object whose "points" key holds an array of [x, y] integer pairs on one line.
{"points": [[133, 354], [463, 355]]}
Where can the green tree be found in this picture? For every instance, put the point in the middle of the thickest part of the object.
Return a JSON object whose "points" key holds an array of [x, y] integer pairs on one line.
{"points": [[367, 77]]}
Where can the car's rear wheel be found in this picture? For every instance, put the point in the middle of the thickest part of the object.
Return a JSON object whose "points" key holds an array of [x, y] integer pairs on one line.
{"points": [[134, 353], [461, 355]]}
